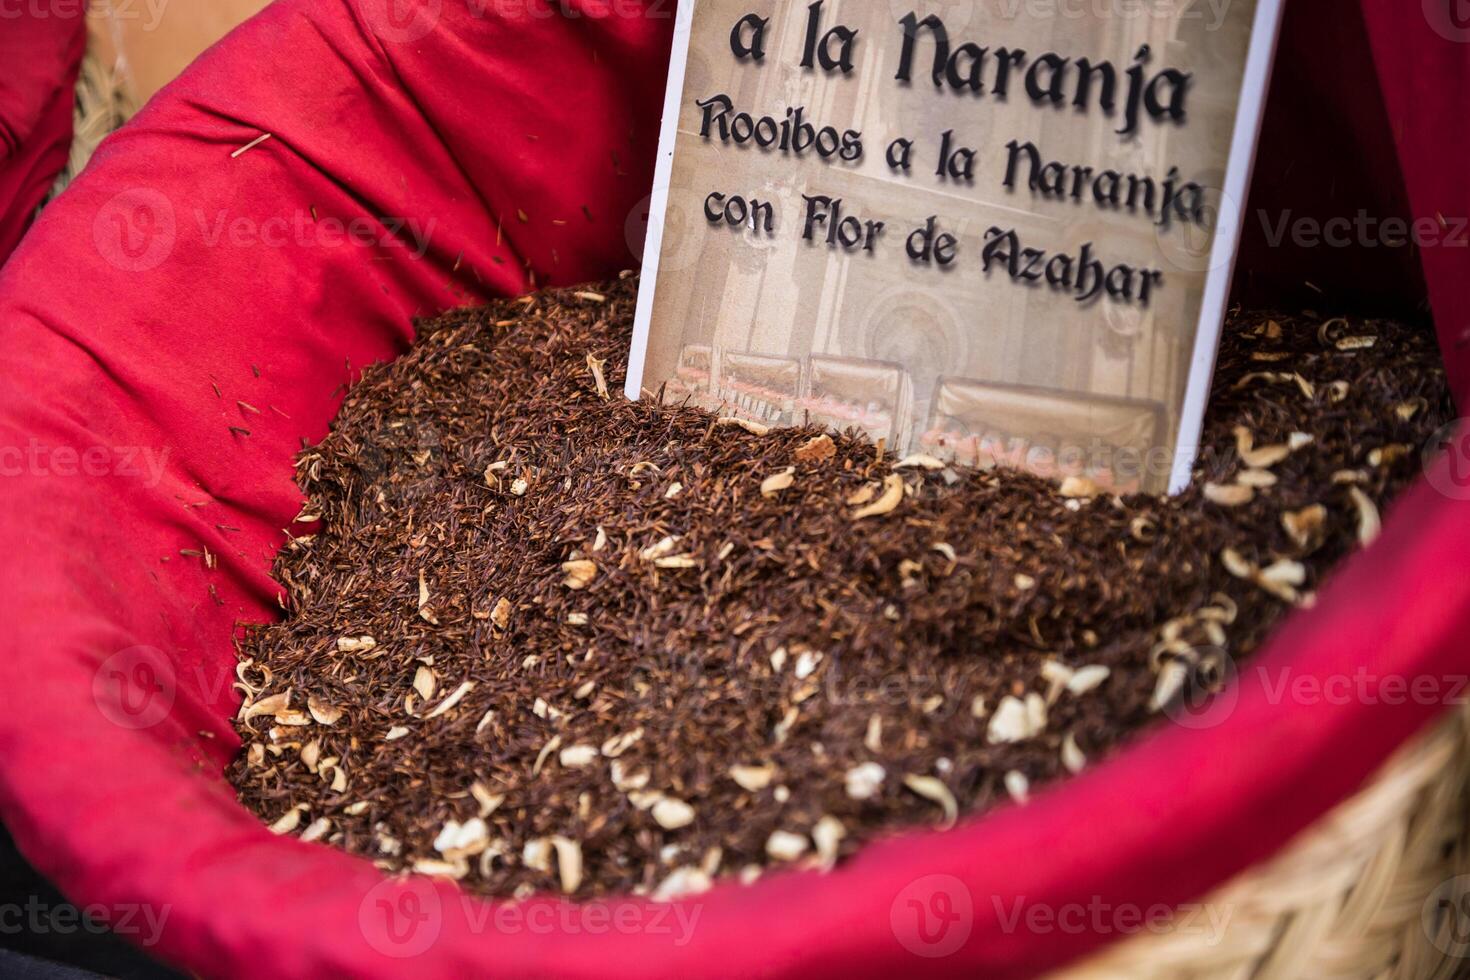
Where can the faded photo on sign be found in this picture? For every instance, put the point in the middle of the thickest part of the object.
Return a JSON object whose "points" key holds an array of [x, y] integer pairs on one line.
{"points": [[980, 229]]}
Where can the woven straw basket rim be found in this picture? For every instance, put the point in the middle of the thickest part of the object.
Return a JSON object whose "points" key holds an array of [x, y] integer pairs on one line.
{"points": [[1380, 887]]}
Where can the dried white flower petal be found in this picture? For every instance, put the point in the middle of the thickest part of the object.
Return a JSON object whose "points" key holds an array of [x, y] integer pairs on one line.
{"points": [[579, 574], [270, 705], [457, 840], [424, 682], [828, 835], [893, 491], [568, 863], [536, 855], [873, 737], [456, 696], [598, 379], [578, 756], [619, 744], [662, 549], [783, 845], [1012, 722], [489, 802], [935, 791], [1257, 479], [1305, 527], [441, 869], [672, 814], [865, 780], [289, 820], [1370, 522], [753, 779], [754, 428], [1072, 758], [1234, 495], [546, 752], [1236, 564], [1172, 677], [920, 461], [682, 883], [1087, 679], [816, 449], [626, 781], [425, 612], [1079, 488], [323, 713], [1018, 786], [773, 485]]}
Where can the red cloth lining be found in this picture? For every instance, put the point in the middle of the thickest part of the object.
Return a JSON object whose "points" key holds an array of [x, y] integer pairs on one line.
{"points": [[41, 48]]}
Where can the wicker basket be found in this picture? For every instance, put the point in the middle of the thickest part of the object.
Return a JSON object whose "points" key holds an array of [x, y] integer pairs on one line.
{"points": [[1378, 888]]}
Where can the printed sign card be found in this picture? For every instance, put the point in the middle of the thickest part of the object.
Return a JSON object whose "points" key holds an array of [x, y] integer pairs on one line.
{"points": [[995, 231]]}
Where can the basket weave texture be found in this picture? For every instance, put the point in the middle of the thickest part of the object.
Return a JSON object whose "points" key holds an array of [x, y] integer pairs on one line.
{"points": [[1378, 888]]}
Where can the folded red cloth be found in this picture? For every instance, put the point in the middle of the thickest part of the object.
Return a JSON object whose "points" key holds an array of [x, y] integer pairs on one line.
{"points": [[41, 46], [185, 315]]}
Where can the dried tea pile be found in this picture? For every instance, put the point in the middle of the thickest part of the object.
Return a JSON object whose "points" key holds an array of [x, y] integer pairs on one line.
{"points": [[547, 639]]}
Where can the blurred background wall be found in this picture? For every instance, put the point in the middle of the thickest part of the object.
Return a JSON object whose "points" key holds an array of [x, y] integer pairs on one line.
{"points": [[134, 48]]}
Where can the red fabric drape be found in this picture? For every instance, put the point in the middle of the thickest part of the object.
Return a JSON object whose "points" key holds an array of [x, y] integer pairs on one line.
{"points": [[41, 47], [175, 280]]}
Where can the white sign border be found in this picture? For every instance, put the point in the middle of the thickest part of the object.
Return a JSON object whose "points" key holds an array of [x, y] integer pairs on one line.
{"points": [[1224, 250]]}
